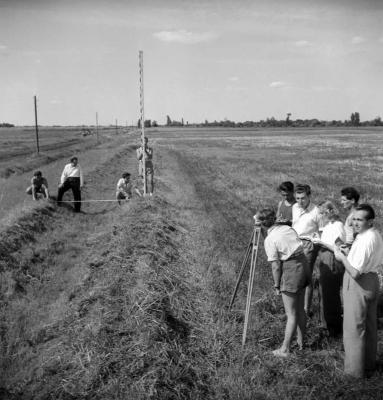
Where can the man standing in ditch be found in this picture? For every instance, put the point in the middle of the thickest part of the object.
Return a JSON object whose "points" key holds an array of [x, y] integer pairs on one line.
{"points": [[72, 178], [306, 222], [360, 293], [147, 153]]}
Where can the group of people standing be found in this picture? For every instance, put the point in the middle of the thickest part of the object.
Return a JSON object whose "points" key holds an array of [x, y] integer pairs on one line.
{"points": [[72, 178], [347, 258]]}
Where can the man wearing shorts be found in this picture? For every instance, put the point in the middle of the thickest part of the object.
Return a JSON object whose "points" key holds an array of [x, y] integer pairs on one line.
{"points": [[291, 275]]}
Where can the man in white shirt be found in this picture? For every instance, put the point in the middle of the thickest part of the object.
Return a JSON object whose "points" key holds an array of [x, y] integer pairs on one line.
{"points": [[349, 200], [72, 178], [360, 293], [306, 222], [124, 188]]}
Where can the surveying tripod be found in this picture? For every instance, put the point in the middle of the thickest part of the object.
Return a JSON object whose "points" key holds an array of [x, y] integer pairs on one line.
{"points": [[251, 253]]}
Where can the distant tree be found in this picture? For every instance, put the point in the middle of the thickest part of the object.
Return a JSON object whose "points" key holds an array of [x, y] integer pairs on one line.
{"points": [[182, 122], [147, 123], [377, 121], [154, 124], [355, 119], [139, 123], [6, 125], [168, 121], [288, 119], [206, 122]]}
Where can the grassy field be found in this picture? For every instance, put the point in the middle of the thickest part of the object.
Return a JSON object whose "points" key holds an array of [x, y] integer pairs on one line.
{"points": [[132, 302]]}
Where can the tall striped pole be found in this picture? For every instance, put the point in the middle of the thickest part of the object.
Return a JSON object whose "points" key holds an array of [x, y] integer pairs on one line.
{"points": [[141, 57]]}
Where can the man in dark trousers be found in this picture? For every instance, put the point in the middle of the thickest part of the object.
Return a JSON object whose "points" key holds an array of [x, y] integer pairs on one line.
{"points": [[72, 178], [148, 166]]}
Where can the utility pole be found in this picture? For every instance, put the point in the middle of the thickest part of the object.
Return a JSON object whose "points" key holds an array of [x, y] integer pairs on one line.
{"points": [[97, 127], [141, 59], [36, 127]]}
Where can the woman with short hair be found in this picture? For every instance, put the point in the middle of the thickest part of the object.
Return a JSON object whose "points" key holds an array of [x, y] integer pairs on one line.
{"points": [[291, 275], [330, 270]]}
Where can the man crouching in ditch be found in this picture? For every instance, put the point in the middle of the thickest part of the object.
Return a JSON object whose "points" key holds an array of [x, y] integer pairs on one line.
{"points": [[291, 274]]}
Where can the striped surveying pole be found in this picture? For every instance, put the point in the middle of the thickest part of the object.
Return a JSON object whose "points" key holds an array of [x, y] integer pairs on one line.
{"points": [[141, 57]]}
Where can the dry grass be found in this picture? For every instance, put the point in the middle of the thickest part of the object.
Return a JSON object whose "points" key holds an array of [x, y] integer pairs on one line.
{"points": [[135, 305]]}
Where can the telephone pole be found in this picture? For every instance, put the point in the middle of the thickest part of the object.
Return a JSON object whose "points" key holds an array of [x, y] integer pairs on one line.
{"points": [[36, 126], [141, 63], [97, 127]]}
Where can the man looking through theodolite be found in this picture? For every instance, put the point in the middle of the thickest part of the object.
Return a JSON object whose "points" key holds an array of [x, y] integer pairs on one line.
{"points": [[145, 157]]}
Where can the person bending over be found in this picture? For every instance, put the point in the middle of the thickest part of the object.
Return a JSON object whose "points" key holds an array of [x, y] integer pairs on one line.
{"points": [[39, 185], [291, 275]]}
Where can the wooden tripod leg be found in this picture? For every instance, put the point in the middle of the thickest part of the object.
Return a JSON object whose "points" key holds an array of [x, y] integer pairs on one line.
{"points": [[254, 255], [243, 267]]}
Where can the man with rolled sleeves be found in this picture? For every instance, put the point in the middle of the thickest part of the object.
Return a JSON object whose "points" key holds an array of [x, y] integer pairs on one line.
{"points": [[306, 222], [360, 293], [72, 178]]}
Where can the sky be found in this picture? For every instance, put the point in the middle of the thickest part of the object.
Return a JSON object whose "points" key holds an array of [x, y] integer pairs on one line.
{"points": [[203, 60]]}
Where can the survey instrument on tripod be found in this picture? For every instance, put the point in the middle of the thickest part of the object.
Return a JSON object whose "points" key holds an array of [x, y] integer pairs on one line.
{"points": [[252, 254], [242, 270]]}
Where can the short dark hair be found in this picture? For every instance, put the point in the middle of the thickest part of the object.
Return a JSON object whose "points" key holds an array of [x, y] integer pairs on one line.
{"points": [[73, 158], [350, 193], [126, 175], [303, 188], [286, 187], [369, 210], [38, 173], [266, 216]]}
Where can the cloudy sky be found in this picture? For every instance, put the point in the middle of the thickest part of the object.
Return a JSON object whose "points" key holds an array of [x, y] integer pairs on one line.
{"points": [[203, 59]]}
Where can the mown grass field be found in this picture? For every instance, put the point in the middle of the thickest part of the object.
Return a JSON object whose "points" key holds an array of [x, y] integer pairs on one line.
{"points": [[132, 302]]}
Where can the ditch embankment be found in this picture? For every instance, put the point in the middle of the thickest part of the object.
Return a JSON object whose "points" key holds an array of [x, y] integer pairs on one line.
{"points": [[131, 302]]}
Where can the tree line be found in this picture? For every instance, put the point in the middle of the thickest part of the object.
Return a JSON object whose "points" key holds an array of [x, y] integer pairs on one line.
{"points": [[271, 122]]}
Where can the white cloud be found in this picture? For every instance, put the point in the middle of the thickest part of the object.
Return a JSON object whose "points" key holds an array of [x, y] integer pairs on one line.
{"points": [[234, 79], [278, 84], [55, 101], [185, 37], [301, 43], [358, 40]]}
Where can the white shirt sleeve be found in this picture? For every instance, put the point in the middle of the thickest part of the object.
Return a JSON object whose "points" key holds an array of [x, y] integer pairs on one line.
{"points": [[359, 255], [64, 174], [271, 250]]}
